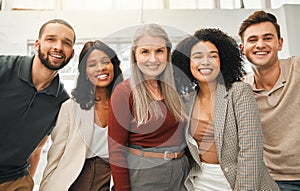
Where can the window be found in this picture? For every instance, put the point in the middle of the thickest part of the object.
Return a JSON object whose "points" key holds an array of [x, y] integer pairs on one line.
{"points": [[140, 4]]}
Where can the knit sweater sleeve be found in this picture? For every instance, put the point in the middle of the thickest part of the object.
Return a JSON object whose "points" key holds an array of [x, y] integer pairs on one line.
{"points": [[118, 124]]}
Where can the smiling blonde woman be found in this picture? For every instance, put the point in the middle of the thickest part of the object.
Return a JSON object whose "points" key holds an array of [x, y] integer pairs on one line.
{"points": [[146, 120]]}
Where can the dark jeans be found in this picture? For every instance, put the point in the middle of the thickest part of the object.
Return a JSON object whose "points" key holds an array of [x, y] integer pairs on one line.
{"points": [[289, 185]]}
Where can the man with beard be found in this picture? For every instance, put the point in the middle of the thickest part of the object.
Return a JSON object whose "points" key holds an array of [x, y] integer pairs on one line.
{"points": [[30, 97]]}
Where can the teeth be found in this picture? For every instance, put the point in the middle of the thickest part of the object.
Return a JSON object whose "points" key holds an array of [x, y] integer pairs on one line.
{"points": [[56, 56], [152, 66], [102, 76], [261, 53], [205, 71]]}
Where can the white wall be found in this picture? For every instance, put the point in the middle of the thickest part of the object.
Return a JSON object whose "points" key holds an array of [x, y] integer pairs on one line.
{"points": [[292, 27], [17, 27]]}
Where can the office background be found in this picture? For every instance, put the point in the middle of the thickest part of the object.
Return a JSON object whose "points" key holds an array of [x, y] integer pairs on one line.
{"points": [[114, 22]]}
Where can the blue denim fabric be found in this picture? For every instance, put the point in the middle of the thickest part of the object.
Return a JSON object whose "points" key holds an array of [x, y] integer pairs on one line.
{"points": [[289, 185]]}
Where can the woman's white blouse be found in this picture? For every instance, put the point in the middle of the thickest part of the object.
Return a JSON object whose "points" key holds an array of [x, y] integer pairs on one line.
{"points": [[99, 146]]}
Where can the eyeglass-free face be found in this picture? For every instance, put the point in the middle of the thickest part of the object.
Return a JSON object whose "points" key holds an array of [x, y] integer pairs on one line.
{"points": [[205, 62], [261, 44], [99, 69], [151, 56]]}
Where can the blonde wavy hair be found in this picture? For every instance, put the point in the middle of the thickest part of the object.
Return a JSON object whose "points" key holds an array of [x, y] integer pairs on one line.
{"points": [[143, 102]]}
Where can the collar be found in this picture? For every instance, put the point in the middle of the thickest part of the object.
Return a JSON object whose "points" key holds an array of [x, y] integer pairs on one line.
{"points": [[279, 84], [25, 74]]}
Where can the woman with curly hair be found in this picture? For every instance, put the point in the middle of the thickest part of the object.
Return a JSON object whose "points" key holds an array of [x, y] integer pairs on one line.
{"points": [[224, 133]]}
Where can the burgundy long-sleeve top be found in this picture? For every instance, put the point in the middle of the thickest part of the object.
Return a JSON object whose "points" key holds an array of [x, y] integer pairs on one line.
{"points": [[123, 130]]}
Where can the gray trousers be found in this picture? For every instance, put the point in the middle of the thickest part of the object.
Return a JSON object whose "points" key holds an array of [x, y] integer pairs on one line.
{"points": [[151, 174]]}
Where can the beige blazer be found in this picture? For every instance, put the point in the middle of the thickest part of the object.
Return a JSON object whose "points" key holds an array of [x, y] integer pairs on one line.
{"points": [[238, 137], [70, 139]]}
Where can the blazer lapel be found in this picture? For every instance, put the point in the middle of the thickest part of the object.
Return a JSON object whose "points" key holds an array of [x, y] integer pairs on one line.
{"points": [[220, 115], [189, 139], [84, 122]]}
